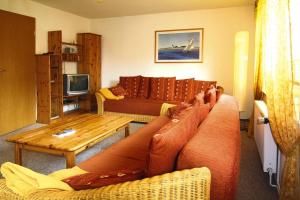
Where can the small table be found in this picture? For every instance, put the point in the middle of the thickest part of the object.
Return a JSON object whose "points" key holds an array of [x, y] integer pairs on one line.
{"points": [[90, 129]]}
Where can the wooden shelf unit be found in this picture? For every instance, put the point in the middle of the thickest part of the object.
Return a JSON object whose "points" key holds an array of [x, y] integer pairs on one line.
{"points": [[87, 55]]}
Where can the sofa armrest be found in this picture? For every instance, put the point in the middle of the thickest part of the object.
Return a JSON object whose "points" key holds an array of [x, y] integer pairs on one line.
{"points": [[185, 184], [100, 102]]}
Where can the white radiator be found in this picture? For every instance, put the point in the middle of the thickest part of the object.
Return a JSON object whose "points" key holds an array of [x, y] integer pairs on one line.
{"points": [[264, 140]]}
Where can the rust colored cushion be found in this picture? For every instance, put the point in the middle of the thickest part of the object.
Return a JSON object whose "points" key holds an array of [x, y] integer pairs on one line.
{"points": [[200, 85], [169, 140], [184, 90], [144, 87], [97, 180], [174, 112], [118, 90], [131, 85], [219, 92], [157, 88], [169, 86], [162, 88], [198, 99], [212, 97]]}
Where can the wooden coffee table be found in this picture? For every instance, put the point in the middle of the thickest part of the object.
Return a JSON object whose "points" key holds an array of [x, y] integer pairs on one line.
{"points": [[90, 129]]}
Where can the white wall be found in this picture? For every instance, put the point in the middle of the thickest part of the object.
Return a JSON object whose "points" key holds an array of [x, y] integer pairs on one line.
{"points": [[128, 45], [49, 19]]}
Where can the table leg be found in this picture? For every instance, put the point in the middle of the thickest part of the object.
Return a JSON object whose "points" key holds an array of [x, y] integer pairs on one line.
{"points": [[70, 159], [18, 154], [127, 130]]}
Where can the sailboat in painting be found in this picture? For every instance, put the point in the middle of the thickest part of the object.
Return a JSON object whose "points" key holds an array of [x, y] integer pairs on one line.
{"points": [[189, 47]]}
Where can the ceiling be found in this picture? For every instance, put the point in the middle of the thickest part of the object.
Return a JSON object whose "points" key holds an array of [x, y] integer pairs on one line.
{"points": [[118, 8]]}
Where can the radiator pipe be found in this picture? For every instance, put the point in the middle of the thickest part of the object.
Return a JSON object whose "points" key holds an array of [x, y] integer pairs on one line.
{"points": [[270, 171]]}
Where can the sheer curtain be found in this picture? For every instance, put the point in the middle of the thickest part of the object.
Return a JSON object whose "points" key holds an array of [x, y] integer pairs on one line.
{"points": [[278, 22]]}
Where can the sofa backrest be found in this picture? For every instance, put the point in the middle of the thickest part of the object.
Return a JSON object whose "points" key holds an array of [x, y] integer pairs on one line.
{"points": [[216, 145], [163, 88]]}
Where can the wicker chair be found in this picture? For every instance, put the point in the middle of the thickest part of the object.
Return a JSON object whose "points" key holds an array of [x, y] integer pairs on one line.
{"points": [[186, 184]]}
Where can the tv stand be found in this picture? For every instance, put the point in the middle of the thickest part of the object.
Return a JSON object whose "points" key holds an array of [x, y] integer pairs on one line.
{"points": [[87, 55]]}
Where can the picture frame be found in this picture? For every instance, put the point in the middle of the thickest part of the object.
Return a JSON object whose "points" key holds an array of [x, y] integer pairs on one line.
{"points": [[179, 46]]}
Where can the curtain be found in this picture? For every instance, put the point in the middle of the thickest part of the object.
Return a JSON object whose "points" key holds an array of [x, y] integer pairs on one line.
{"points": [[276, 61], [258, 73]]}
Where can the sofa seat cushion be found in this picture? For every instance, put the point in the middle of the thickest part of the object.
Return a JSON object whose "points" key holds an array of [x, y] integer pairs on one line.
{"points": [[216, 145], [129, 153], [136, 106]]}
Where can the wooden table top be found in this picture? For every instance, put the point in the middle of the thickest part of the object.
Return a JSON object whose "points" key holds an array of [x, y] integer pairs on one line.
{"points": [[89, 127]]}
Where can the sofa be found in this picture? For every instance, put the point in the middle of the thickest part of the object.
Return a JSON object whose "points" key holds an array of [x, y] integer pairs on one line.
{"points": [[145, 95], [205, 166]]}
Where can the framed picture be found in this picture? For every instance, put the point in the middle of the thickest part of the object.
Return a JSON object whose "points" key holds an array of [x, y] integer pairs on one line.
{"points": [[179, 46]]}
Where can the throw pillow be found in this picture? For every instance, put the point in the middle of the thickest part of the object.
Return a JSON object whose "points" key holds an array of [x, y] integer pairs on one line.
{"points": [[162, 88], [184, 90], [200, 85], [109, 95], [173, 112], [219, 92], [144, 87], [97, 180], [118, 90], [131, 85], [170, 139], [211, 97], [169, 86]]}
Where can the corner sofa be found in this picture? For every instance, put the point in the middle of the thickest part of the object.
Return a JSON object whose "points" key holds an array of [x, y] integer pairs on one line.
{"points": [[205, 167], [145, 95]]}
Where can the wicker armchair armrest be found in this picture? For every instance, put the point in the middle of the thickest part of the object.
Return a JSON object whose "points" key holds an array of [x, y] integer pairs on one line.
{"points": [[100, 102], [185, 184]]}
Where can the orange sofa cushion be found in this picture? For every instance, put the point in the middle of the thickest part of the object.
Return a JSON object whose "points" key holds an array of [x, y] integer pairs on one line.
{"points": [[162, 88], [131, 85], [118, 90], [169, 140], [144, 87], [184, 90], [200, 85]]}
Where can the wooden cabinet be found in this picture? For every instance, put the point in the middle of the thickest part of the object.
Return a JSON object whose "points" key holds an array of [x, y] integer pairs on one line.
{"points": [[49, 86], [90, 64], [87, 54]]}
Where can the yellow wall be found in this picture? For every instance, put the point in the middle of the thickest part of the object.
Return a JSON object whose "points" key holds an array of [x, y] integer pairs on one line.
{"points": [[128, 45]]}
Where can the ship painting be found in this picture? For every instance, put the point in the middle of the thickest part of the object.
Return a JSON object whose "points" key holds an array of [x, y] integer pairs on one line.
{"points": [[179, 46]]}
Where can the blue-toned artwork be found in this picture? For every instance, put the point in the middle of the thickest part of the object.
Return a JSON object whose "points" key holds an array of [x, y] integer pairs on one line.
{"points": [[179, 45]]}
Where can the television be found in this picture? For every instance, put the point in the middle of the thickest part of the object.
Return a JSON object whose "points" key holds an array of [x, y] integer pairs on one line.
{"points": [[76, 84]]}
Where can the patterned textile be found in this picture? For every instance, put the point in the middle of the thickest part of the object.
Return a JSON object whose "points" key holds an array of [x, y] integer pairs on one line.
{"points": [[118, 90], [203, 85], [144, 87], [184, 90], [131, 85], [162, 88], [97, 180]]}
